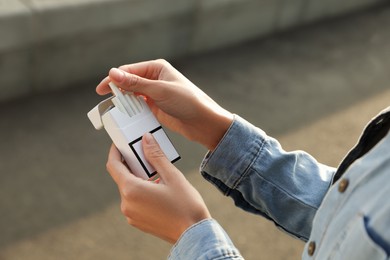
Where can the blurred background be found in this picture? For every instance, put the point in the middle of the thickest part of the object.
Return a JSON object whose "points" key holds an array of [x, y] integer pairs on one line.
{"points": [[309, 72]]}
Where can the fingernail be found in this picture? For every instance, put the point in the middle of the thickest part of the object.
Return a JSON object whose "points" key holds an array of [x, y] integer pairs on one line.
{"points": [[149, 138], [117, 74]]}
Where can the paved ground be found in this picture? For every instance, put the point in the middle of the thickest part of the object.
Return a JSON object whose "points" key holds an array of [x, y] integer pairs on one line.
{"points": [[313, 88]]}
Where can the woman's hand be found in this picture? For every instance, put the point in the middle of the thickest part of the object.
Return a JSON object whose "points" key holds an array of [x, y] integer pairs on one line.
{"points": [[165, 209], [176, 102]]}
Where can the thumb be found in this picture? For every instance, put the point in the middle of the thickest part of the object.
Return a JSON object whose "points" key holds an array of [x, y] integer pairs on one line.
{"points": [[132, 82], [157, 158], [127, 80]]}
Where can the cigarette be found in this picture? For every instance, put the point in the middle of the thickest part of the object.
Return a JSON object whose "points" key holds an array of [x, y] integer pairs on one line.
{"points": [[118, 104], [121, 100], [114, 89], [131, 105], [136, 101]]}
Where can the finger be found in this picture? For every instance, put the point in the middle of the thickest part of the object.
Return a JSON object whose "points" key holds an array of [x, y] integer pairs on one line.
{"points": [[157, 158], [131, 82], [127, 80], [103, 88], [123, 80], [146, 69], [117, 169]]}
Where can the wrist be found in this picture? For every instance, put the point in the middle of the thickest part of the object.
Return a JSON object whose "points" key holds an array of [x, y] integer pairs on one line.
{"points": [[214, 127]]}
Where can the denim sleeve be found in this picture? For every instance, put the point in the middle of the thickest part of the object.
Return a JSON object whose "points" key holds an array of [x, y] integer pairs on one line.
{"points": [[205, 240], [262, 178]]}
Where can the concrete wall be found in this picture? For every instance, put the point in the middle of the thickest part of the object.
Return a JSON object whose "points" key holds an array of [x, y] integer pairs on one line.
{"points": [[51, 44]]}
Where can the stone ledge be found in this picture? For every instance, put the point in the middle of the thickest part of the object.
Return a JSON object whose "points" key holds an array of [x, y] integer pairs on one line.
{"points": [[50, 44]]}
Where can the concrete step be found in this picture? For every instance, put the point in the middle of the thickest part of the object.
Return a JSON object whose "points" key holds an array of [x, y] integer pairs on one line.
{"points": [[52, 44]]}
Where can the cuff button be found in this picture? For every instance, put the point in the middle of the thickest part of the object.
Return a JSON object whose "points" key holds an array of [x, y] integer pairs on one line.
{"points": [[311, 248]]}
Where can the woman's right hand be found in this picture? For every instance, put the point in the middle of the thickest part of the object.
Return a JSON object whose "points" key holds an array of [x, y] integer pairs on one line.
{"points": [[176, 101]]}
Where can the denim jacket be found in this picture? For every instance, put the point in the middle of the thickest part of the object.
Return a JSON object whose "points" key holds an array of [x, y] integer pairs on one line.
{"points": [[342, 213]]}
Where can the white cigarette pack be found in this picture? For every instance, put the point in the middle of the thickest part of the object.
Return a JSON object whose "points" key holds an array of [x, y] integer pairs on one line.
{"points": [[126, 132]]}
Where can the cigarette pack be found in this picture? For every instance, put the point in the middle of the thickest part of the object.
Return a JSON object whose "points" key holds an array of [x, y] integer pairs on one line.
{"points": [[126, 120]]}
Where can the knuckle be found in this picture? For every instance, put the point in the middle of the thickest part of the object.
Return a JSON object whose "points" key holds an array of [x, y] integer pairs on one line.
{"points": [[163, 64], [124, 209], [123, 67], [161, 61], [132, 80], [130, 221], [159, 66], [128, 194], [131, 194], [127, 211], [109, 166], [156, 153]]}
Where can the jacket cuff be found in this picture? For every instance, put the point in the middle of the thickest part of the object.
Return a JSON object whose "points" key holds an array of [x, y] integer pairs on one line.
{"points": [[204, 240], [233, 156]]}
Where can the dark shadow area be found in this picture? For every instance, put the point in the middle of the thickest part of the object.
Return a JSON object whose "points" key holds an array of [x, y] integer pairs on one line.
{"points": [[53, 161]]}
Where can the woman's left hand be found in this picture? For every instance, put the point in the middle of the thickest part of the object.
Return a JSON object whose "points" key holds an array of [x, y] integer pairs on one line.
{"points": [[165, 209]]}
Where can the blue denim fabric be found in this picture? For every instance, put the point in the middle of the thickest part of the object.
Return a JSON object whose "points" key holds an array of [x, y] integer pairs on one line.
{"points": [[262, 178], [294, 191], [205, 240], [355, 224]]}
